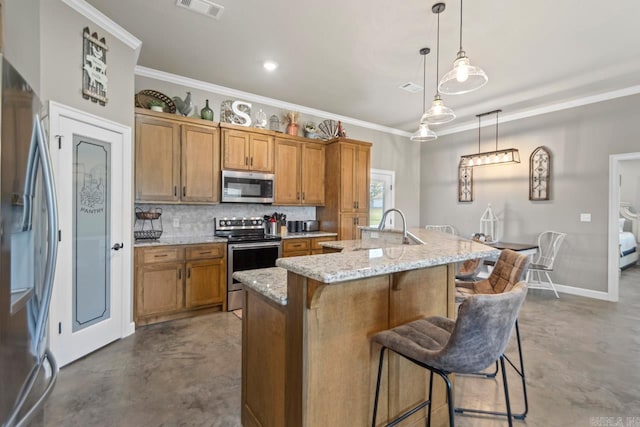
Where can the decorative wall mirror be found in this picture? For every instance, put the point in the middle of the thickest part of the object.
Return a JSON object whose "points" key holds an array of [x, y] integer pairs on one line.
{"points": [[540, 174], [465, 183]]}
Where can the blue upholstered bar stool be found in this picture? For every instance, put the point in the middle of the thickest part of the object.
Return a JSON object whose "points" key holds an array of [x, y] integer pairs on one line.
{"points": [[469, 344]]}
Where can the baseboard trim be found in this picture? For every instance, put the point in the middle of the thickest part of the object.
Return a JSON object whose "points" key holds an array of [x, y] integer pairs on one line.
{"points": [[588, 293]]}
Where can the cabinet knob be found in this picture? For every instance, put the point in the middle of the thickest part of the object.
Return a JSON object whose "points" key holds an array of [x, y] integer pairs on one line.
{"points": [[251, 163], [180, 274], [184, 191], [303, 195], [175, 191], [246, 161], [189, 273]]}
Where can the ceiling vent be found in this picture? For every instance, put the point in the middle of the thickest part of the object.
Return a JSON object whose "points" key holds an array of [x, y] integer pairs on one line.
{"points": [[204, 7], [411, 87]]}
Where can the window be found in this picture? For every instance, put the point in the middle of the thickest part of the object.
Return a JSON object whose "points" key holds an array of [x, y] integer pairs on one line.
{"points": [[381, 190]]}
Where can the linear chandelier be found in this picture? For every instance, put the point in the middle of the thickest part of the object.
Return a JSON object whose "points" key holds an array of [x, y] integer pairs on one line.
{"points": [[507, 155]]}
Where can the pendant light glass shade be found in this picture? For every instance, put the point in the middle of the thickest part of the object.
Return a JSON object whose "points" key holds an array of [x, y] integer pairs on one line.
{"points": [[424, 133], [464, 77], [438, 113]]}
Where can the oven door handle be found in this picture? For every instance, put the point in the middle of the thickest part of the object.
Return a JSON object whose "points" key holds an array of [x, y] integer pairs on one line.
{"points": [[240, 246]]}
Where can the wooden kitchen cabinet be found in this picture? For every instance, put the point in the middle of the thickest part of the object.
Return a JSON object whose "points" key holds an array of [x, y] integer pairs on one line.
{"points": [[346, 188], [205, 282], [172, 282], [299, 173], [249, 150], [304, 246], [177, 159]]}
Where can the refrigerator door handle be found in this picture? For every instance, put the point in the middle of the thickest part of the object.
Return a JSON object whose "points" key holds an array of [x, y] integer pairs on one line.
{"points": [[30, 178], [52, 224]]}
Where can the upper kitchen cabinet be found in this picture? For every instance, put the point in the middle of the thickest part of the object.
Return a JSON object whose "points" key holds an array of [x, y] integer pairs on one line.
{"points": [[177, 159], [299, 172], [244, 149], [347, 187]]}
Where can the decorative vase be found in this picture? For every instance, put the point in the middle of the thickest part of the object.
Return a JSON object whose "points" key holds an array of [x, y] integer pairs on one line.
{"points": [[206, 113], [292, 129]]}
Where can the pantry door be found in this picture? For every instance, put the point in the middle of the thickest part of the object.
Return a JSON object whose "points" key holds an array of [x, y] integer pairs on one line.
{"points": [[88, 308]]}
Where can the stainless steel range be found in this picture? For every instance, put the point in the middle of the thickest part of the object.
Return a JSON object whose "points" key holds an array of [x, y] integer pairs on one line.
{"points": [[248, 248]]}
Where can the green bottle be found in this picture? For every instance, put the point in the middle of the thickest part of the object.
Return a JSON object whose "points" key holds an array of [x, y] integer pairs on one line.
{"points": [[206, 113]]}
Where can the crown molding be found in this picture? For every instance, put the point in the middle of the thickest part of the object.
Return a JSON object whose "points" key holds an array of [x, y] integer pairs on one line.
{"points": [[578, 102], [222, 90], [99, 18]]}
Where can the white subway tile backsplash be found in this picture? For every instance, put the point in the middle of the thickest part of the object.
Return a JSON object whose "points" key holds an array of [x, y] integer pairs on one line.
{"points": [[197, 220]]}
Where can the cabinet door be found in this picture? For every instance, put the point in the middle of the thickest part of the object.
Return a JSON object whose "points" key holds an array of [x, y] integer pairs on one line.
{"points": [[200, 164], [205, 282], [287, 173], [235, 149], [347, 183], [157, 160], [159, 289], [312, 174], [347, 228], [361, 179], [260, 153]]}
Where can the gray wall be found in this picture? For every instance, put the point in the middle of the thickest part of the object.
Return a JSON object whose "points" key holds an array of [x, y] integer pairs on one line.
{"points": [[580, 140], [21, 38], [630, 188], [61, 62], [391, 152]]}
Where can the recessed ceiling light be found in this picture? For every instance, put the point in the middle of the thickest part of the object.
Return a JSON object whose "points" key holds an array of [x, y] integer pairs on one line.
{"points": [[270, 65]]}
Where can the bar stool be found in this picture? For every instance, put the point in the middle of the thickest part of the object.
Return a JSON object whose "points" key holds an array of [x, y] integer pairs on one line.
{"points": [[469, 344], [510, 268]]}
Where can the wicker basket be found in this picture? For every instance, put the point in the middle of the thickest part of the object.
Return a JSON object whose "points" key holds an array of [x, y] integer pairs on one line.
{"points": [[150, 214]]}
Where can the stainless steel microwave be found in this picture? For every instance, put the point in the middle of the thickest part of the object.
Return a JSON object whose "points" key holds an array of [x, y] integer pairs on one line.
{"points": [[247, 187]]}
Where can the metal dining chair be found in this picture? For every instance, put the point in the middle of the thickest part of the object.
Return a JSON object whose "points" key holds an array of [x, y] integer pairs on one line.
{"points": [[549, 243], [469, 344]]}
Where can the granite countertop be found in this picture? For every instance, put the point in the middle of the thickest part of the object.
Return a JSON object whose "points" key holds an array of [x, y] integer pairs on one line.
{"points": [[191, 240], [308, 234], [375, 257], [270, 282]]}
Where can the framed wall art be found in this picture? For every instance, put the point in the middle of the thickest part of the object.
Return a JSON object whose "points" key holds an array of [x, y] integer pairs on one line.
{"points": [[465, 183], [540, 174], [94, 67]]}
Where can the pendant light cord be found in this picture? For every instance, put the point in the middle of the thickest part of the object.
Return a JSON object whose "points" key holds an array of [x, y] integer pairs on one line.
{"points": [[479, 125], [424, 81], [438, 58], [497, 113], [460, 24]]}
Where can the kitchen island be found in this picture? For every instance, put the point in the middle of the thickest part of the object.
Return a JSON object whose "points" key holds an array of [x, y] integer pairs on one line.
{"points": [[307, 359]]}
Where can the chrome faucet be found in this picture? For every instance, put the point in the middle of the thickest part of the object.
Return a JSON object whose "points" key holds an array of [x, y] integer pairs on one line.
{"points": [[405, 237]]}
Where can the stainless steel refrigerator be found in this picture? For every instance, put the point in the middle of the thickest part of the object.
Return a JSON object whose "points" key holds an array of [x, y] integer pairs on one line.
{"points": [[28, 249]]}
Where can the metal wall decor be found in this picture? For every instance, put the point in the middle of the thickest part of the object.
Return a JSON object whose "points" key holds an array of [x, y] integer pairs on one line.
{"points": [[235, 112], [94, 67], [540, 174], [465, 183]]}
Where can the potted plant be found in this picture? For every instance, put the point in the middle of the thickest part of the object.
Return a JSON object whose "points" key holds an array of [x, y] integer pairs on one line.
{"points": [[292, 119], [156, 105]]}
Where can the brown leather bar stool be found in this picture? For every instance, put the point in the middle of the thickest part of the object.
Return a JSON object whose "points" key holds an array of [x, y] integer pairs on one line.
{"points": [[510, 268], [469, 344]]}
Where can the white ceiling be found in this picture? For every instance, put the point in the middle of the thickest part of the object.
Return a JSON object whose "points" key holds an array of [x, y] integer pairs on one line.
{"points": [[349, 57]]}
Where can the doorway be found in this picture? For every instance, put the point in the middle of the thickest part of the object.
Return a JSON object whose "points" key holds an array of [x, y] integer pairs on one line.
{"points": [[382, 195], [91, 299], [615, 180]]}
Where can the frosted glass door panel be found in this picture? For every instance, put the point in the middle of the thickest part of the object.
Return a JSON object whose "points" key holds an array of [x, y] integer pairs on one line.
{"points": [[91, 232]]}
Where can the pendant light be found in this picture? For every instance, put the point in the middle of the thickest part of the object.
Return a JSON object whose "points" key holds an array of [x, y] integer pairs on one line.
{"points": [[507, 155], [464, 77], [424, 133], [439, 113]]}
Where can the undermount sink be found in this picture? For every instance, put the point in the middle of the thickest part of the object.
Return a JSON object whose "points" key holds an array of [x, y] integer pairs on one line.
{"points": [[387, 237]]}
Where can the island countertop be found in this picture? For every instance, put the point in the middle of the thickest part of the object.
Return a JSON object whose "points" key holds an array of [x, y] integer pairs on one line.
{"points": [[374, 257], [270, 282]]}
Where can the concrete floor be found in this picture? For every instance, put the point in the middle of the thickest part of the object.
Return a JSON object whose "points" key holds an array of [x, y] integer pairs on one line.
{"points": [[582, 358]]}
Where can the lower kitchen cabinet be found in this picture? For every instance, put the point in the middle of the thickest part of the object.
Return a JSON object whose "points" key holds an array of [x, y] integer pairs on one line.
{"points": [[304, 246], [349, 223], [172, 282]]}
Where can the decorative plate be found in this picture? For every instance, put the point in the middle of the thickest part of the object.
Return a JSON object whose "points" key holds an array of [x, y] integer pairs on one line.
{"points": [[144, 96], [328, 129]]}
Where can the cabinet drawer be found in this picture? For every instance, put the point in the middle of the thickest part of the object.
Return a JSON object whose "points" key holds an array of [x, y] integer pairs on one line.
{"points": [[295, 253], [205, 251], [165, 254], [295, 245], [315, 242]]}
